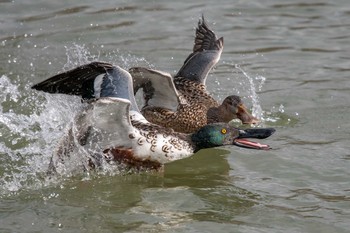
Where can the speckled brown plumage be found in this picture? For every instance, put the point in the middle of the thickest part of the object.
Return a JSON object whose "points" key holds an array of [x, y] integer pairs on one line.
{"points": [[186, 119], [198, 109], [190, 116], [195, 93]]}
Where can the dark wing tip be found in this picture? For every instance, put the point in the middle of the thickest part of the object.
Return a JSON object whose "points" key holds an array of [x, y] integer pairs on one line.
{"points": [[71, 82], [205, 38]]}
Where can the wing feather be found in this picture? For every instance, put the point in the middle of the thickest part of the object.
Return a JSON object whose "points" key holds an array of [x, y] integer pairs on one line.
{"points": [[158, 87], [206, 53]]}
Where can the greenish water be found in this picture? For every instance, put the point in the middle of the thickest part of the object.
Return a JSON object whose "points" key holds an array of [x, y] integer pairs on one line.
{"points": [[290, 61]]}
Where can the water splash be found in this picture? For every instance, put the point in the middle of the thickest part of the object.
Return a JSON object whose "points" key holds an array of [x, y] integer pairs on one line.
{"points": [[256, 110], [32, 123], [78, 55], [276, 116]]}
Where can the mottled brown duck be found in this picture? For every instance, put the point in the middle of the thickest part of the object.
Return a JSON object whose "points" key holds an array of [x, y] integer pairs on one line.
{"points": [[183, 102]]}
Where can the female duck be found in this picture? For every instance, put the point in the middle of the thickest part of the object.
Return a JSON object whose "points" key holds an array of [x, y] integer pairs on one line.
{"points": [[183, 102]]}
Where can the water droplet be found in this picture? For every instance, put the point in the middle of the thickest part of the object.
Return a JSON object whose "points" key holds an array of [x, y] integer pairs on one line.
{"points": [[257, 110], [262, 81], [281, 108], [14, 141]]}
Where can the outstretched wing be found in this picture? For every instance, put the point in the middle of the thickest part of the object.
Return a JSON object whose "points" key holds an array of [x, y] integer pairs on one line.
{"points": [[206, 53], [92, 81], [158, 87]]}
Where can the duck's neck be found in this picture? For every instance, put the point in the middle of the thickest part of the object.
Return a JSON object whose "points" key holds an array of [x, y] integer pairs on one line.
{"points": [[199, 145], [218, 114], [202, 140]]}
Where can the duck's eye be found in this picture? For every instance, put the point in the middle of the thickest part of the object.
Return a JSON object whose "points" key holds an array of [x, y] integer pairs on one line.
{"points": [[223, 131]]}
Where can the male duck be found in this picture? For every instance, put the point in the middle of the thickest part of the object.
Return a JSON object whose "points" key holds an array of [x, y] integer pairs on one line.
{"points": [[183, 102], [111, 128]]}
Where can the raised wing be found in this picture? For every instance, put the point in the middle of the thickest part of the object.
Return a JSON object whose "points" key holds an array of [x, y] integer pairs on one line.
{"points": [[206, 53], [158, 87]]}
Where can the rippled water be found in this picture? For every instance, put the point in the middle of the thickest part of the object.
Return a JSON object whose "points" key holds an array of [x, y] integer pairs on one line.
{"points": [[290, 61]]}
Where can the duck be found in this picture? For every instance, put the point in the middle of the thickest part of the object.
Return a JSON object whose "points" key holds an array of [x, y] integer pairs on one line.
{"points": [[110, 127], [183, 102]]}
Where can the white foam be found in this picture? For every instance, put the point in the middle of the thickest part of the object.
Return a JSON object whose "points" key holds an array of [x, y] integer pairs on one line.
{"points": [[32, 123]]}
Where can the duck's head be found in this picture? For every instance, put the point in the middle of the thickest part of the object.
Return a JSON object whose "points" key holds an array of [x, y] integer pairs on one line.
{"points": [[235, 108], [220, 134]]}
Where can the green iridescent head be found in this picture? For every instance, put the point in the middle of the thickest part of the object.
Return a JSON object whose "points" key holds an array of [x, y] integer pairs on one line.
{"points": [[221, 134]]}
